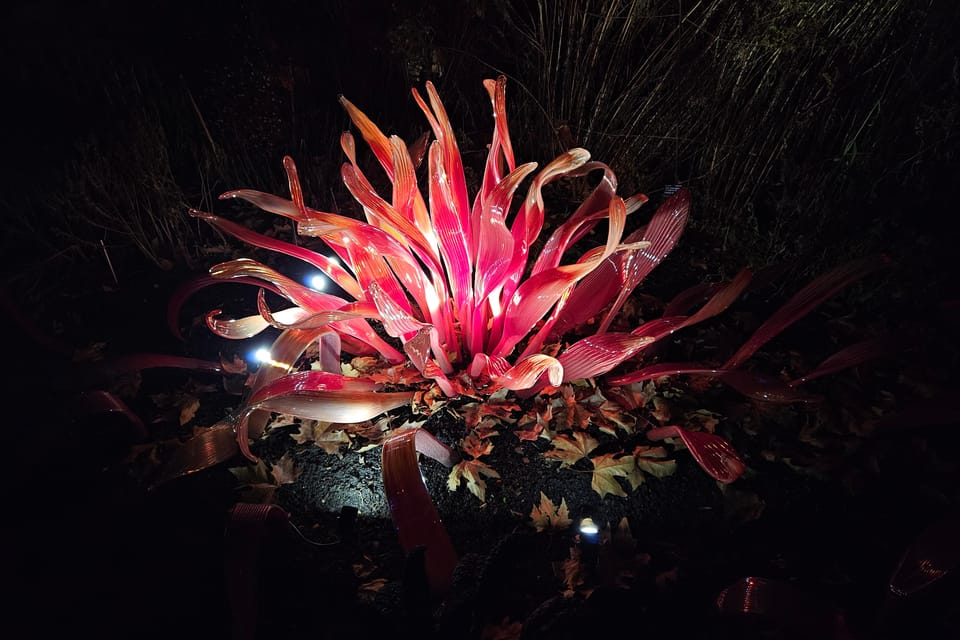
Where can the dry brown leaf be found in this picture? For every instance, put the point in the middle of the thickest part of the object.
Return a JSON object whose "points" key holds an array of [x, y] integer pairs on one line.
{"points": [[188, 409], [651, 460], [662, 411], [570, 570], [548, 516], [475, 446], [330, 439], [606, 469], [285, 471], [236, 365], [611, 416], [570, 449], [473, 472], [504, 630], [304, 434]]}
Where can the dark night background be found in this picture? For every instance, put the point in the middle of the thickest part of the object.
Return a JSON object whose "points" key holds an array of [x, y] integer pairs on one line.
{"points": [[808, 132]]}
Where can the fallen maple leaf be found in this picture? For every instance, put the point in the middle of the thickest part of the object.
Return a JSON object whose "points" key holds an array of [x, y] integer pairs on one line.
{"points": [[570, 449], [472, 471], [652, 460], [504, 630], [188, 409], [661, 410], [304, 434], [476, 446], [570, 570], [285, 471], [611, 416], [606, 468], [330, 438], [548, 516]]}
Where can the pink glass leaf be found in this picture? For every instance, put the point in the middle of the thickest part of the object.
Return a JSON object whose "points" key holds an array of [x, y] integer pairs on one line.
{"points": [[722, 299], [267, 202], [414, 515], [329, 348], [418, 149], [449, 156], [310, 381], [758, 387], [207, 448], [326, 397], [451, 235], [402, 229], [850, 356], [802, 303], [306, 298], [784, 608], [375, 138], [98, 401], [330, 267], [683, 302], [528, 371], [539, 293], [127, 363], [191, 286], [396, 322], [304, 319], [712, 453], [495, 243], [596, 355], [664, 230], [589, 297], [659, 370], [491, 366], [930, 558], [528, 222], [501, 135], [583, 220], [249, 326]]}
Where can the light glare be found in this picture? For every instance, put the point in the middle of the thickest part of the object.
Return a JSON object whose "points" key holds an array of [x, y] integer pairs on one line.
{"points": [[588, 527]]}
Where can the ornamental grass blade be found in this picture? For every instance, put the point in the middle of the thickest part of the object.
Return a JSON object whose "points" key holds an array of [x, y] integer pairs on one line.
{"points": [[596, 355], [802, 303], [414, 515], [712, 453]]}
